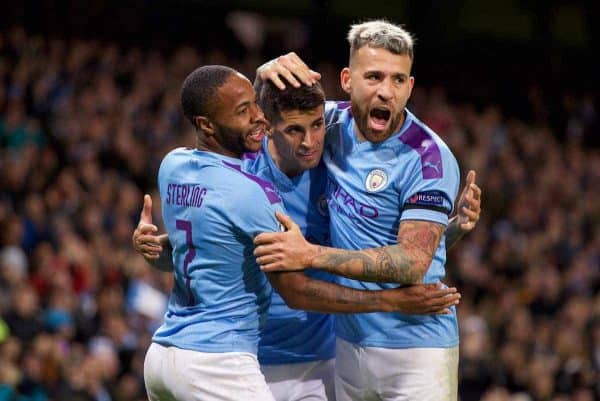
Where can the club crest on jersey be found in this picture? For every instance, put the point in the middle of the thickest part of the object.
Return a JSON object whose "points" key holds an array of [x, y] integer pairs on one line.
{"points": [[322, 206], [376, 180]]}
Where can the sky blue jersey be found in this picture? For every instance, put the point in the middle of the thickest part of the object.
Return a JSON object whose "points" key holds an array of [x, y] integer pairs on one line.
{"points": [[294, 336], [371, 188], [212, 209]]}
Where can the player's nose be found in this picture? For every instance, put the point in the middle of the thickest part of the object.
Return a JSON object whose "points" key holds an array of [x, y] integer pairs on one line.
{"points": [[384, 90], [258, 116]]}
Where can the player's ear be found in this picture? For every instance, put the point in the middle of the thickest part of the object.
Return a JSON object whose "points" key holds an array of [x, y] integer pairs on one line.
{"points": [[345, 80], [205, 125]]}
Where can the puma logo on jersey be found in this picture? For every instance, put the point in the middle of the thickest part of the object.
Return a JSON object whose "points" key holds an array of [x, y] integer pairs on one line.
{"points": [[434, 166]]}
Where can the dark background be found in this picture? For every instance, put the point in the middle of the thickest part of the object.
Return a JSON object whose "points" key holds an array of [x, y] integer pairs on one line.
{"points": [[477, 49]]}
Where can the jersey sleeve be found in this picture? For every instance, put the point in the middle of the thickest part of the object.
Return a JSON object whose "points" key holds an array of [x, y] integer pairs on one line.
{"points": [[431, 199]]}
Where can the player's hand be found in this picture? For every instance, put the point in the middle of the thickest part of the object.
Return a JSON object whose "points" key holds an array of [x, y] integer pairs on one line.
{"points": [[291, 68], [423, 299], [145, 238], [469, 204], [284, 251]]}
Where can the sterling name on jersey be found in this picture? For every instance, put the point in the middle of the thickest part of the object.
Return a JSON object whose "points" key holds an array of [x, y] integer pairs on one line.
{"points": [[371, 188], [212, 210], [290, 335]]}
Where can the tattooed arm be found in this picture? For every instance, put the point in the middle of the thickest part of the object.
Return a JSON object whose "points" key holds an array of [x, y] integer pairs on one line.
{"points": [[405, 262], [302, 292]]}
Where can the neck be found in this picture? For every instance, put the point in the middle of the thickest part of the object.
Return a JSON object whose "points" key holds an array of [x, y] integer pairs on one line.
{"points": [[209, 144]]}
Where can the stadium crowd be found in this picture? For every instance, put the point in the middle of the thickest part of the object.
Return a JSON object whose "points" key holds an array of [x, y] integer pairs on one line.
{"points": [[83, 126]]}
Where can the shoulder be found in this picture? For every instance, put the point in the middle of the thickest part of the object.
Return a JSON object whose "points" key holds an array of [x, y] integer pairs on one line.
{"points": [[254, 163], [427, 149], [337, 116], [337, 112], [175, 160], [249, 186]]}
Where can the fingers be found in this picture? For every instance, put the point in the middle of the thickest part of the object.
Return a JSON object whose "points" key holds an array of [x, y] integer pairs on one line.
{"points": [[150, 239], [442, 292], [270, 267], [144, 239], [273, 76], [476, 191], [291, 68], [266, 239], [267, 259], [471, 214], [299, 69], [286, 220], [471, 175], [267, 248], [146, 214], [443, 305]]}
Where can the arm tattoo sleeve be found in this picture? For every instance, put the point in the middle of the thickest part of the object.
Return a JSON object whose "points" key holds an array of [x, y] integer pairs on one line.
{"points": [[405, 263]]}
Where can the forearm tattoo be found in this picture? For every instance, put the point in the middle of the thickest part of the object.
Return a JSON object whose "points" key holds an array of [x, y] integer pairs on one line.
{"points": [[404, 263]]}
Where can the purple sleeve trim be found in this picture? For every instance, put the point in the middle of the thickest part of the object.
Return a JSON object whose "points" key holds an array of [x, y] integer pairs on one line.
{"points": [[267, 187], [422, 142]]}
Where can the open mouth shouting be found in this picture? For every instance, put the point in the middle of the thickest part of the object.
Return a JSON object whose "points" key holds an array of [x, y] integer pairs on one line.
{"points": [[379, 117]]}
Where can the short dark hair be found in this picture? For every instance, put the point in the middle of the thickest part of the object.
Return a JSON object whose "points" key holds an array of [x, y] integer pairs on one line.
{"points": [[273, 100], [199, 88]]}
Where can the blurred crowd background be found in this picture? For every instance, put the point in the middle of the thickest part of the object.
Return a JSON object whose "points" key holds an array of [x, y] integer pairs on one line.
{"points": [[89, 105]]}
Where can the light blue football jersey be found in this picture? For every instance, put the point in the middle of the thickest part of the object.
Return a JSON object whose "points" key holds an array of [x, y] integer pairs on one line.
{"points": [[371, 187], [212, 209], [294, 336]]}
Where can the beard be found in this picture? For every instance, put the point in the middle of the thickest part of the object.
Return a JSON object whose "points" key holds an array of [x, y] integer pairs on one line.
{"points": [[231, 139], [361, 119]]}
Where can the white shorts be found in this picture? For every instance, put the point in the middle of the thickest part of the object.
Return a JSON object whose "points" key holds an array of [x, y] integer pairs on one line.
{"points": [[174, 374], [412, 374], [308, 381]]}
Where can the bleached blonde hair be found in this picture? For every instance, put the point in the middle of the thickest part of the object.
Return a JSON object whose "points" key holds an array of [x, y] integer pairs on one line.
{"points": [[380, 34]]}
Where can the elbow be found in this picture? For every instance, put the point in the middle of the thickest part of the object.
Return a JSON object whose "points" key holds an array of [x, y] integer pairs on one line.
{"points": [[294, 302], [416, 272]]}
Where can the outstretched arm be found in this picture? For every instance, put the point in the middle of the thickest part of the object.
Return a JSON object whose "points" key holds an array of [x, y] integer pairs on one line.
{"points": [[156, 249], [302, 292], [468, 211], [405, 262]]}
